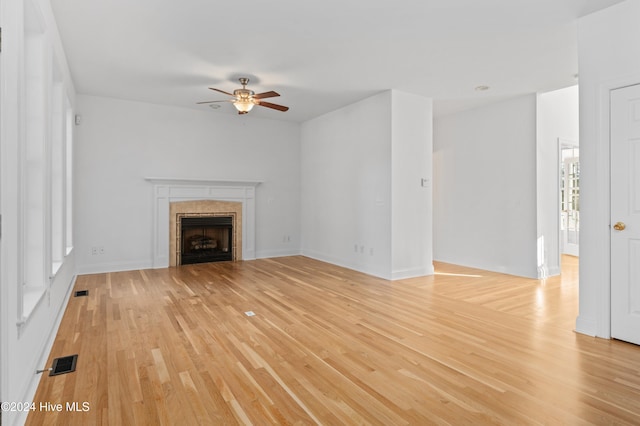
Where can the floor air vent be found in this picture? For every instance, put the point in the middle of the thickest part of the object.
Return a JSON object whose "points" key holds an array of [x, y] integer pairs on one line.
{"points": [[82, 293], [63, 365]]}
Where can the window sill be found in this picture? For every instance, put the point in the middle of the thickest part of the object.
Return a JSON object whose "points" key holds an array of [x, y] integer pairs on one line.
{"points": [[31, 297], [55, 267]]}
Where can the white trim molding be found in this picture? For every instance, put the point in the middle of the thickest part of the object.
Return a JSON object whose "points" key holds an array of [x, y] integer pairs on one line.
{"points": [[168, 190]]}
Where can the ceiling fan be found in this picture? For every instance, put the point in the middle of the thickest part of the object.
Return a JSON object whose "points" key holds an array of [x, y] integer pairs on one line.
{"points": [[244, 99]]}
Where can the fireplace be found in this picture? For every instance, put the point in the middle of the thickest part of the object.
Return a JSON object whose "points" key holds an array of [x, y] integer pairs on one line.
{"points": [[173, 196], [205, 231], [206, 239]]}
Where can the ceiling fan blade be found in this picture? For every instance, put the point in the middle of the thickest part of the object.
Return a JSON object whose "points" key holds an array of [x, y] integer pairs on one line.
{"points": [[270, 94], [221, 91], [209, 102], [274, 106]]}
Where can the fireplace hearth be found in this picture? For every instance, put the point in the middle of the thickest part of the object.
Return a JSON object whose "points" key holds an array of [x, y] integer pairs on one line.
{"points": [[206, 239]]}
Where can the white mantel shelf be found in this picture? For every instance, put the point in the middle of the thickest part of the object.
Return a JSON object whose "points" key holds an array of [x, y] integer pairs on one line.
{"points": [[193, 181], [167, 190]]}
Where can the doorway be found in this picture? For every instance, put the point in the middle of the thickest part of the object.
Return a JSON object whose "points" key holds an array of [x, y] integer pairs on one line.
{"points": [[569, 197]]}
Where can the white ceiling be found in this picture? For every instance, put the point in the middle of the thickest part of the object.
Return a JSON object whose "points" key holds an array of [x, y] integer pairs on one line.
{"points": [[320, 55]]}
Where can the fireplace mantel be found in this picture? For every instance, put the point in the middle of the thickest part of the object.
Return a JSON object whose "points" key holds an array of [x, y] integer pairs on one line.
{"points": [[195, 181], [169, 190]]}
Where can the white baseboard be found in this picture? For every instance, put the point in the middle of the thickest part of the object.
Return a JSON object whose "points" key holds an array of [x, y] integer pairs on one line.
{"points": [[586, 326], [101, 268], [412, 273], [265, 254], [323, 257]]}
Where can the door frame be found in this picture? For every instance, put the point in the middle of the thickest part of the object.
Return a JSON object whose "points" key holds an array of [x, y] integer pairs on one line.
{"points": [[601, 198], [623, 279], [562, 144]]}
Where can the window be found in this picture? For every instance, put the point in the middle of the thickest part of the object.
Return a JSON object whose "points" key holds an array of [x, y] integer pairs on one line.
{"points": [[68, 166], [33, 164], [45, 163], [57, 172]]}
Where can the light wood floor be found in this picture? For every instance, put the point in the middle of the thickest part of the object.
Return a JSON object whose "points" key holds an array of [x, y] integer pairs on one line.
{"points": [[332, 346]]}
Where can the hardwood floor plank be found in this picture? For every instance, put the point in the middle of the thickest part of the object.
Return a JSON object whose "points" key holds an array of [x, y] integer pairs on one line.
{"points": [[332, 346]]}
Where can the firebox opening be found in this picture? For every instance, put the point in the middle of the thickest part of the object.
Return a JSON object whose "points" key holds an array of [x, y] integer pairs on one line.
{"points": [[206, 239]]}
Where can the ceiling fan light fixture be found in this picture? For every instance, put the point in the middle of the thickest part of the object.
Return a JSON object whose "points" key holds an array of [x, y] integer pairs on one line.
{"points": [[243, 105], [244, 99]]}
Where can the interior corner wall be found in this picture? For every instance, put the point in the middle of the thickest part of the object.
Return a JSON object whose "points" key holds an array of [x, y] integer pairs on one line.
{"points": [[609, 57], [346, 186], [412, 204], [485, 187], [120, 143]]}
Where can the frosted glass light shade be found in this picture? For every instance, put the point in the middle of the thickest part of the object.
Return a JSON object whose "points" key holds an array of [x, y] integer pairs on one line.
{"points": [[243, 105]]}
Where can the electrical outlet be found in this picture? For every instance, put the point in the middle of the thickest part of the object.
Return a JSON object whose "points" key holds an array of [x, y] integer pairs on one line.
{"points": [[94, 251], [101, 250]]}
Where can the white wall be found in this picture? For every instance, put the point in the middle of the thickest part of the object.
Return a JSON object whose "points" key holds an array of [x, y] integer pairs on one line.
{"points": [[609, 57], [346, 186], [412, 204], [24, 348], [557, 114], [119, 143], [363, 206], [485, 187]]}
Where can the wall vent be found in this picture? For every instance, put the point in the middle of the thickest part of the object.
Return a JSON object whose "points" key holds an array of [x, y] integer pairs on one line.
{"points": [[64, 365]]}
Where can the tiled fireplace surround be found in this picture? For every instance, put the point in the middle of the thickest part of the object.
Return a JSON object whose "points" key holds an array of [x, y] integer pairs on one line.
{"points": [[203, 208], [176, 198]]}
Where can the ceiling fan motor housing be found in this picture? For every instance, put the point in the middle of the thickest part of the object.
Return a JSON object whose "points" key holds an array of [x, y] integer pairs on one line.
{"points": [[243, 93]]}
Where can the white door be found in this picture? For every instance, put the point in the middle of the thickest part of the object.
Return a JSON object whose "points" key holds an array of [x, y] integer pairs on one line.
{"points": [[625, 214]]}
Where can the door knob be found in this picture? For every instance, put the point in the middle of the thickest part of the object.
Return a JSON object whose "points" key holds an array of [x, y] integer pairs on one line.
{"points": [[619, 226]]}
